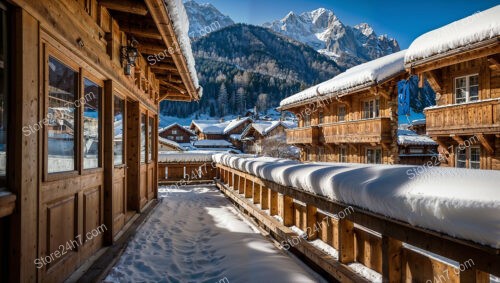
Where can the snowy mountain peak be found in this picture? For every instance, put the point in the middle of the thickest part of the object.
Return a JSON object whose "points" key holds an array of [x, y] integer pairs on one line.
{"points": [[325, 32], [365, 29], [205, 18]]}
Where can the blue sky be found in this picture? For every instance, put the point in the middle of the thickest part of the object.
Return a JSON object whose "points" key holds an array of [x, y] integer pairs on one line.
{"points": [[403, 20]]}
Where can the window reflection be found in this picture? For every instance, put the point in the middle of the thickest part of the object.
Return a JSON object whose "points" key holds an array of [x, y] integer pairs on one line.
{"points": [[3, 91], [143, 138], [61, 117], [150, 148], [118, 126], [91, 124]]}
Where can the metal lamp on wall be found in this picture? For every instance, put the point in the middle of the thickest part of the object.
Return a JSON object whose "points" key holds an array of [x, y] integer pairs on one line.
{"points": [[129, 55]]}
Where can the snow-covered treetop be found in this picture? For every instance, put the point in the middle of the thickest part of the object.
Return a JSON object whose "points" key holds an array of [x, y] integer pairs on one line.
{"points": [[180, 22], [364, 75], [470, 30]]}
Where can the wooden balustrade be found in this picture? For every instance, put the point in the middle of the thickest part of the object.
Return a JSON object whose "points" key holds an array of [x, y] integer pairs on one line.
{"points": [[194, 172], [471, 118], [360, 131], [379, 243], [307, 135]]}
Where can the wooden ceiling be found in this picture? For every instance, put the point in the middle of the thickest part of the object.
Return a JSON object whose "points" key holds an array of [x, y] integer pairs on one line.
{"points": [[147, 21]]}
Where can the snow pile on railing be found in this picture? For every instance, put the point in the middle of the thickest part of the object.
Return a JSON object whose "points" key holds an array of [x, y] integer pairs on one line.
{"points": [[459, 202], [470, 30]]}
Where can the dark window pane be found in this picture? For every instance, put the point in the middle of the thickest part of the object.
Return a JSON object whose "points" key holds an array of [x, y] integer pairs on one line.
{"points": [[118, 130], [3, 92], [143, 138], [91, 124], [61, 117]]}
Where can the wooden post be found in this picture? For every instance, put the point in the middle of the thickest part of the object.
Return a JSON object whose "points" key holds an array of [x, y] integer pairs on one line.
{"points": [[248, 188], [470, 274], [391, 259], [273, 205], [241, 184], [264, 198], [230, 179], [256, 193], [287, 216], [311, 230], [298, 215], [346, 241]]}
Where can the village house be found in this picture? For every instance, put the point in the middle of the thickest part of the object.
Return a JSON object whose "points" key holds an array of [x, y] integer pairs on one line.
{"points": [[168, 145], [351, 117], [80, 99], [463, 68], [220, 130], [415, 149], [254, 137], [177, 133]]}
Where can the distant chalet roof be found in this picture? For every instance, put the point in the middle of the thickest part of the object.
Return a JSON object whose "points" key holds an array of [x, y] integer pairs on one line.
{"points": [[212, 143], [215, 127], [354, 79], [467, 32], [170, 143], [178, 125], [408, 137], [265, 127]]}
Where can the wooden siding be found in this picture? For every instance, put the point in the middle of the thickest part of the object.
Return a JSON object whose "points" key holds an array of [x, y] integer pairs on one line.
{"points": [[376, 130]]}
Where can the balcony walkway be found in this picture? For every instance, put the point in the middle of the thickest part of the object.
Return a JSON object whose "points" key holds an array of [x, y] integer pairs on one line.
{"points": [[196, 235]]}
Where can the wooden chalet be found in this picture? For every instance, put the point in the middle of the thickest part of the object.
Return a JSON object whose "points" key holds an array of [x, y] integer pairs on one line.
{"points": [[81, 82], [463, 69], [177, 133], [352, 117], [168, 145], [254, 136]]}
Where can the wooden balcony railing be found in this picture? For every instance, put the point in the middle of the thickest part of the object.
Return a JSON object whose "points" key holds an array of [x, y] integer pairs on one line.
{"points": [[397, 250], [359, 131], [307, 135], [471, 118]]}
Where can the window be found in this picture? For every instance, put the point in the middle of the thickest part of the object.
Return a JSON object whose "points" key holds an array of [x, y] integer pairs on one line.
{"points": [[91, 125], [461, 158], [61, 117], [341, 113], [467, 89], [119, 113], [374, 156], [4, 64], [371, 109], [321, 154], [307, 120], [174, 132], [417, 150], [150, 140], [343, 154], [475, 157], [171, 138], [178, 138], [321, 117], [143, 138]]}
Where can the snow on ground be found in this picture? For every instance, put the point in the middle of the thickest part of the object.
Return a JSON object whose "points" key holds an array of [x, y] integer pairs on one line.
{"points": [[196, 235], [462, 203], [473, 29]]}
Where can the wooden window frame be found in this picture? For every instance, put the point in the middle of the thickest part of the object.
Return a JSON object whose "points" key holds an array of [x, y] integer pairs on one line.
{"points": [[123, 98], [375, 149], [373, 113], [153, 142], [143, 113], [342, 148], [100, 83], [344, 116], [465, 160], [467, 88], [470, 157], [50, 51]]}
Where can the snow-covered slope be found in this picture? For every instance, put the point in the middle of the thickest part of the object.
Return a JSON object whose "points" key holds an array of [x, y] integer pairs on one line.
{"points": [[462, 203], [323, 30], [205, 18]]}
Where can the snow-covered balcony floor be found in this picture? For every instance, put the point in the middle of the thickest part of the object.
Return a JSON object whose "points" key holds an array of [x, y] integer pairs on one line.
{"points": [[196, 235]]}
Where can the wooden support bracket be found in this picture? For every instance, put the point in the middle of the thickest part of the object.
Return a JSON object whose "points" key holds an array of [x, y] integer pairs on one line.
{"points": [[485, 143]]}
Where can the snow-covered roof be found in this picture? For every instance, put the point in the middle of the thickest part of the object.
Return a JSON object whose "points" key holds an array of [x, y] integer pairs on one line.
{"points": [[408, 137], [215, 127], [474, 29], [212, 143], [447, 200], [185, 156], [236, 137], [170, 143], [178, 125], [418, 122], [364, 75], [180, 22]]}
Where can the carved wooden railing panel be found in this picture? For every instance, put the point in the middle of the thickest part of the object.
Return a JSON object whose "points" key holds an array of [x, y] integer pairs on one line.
{"points": [[306, 135], [360, 131], [471, 118]]}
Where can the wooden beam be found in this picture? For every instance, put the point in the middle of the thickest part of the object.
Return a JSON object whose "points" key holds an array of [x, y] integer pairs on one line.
{"points": [[458, 139], [494, 63], [248, 189], [149, 48], [127, 6], [346, 241], [143, 32], [433, 79], [311, 230], [273, 203], [484, 142], [391, 259], [174, 86], [288, 211], [264, 197]]}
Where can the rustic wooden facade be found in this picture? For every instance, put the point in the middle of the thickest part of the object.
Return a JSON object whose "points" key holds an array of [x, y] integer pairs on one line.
{"points": [[467, 128], [252, 140], [82, 126], [357, 127], [177, 133]]}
